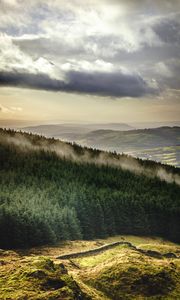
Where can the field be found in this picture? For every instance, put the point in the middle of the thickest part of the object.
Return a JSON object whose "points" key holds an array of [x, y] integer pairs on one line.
{"points": [[167, 155], [119, 273]]}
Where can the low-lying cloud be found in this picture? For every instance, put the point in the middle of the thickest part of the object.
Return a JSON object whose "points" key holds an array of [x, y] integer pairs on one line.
{"points": [[65, 150]]}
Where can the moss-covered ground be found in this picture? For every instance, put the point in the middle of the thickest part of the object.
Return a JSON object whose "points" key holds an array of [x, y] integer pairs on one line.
{"points": [[35, 277], [124, 273], [118, 273]]}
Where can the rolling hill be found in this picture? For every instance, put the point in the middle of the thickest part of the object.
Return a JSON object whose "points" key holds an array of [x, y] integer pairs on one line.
{"points": [[159, 144], [71, 132], [133, 139]]}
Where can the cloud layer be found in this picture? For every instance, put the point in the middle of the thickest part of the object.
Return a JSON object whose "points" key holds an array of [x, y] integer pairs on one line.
{"points": [[95, 83], [105, 48]]}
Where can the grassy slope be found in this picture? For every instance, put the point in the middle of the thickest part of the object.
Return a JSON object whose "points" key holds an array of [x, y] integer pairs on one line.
{"points": [[126, 274], [119, 273], [35, 277]]}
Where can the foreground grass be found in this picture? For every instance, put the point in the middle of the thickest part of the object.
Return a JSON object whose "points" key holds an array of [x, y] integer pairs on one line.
{"points": [[35, 278], [123, 273], [115, 274]]}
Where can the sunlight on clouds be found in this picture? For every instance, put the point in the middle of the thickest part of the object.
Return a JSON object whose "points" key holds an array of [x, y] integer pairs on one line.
{"points": [[13, 58], [9, 110], [88, 66], [116, 49]]}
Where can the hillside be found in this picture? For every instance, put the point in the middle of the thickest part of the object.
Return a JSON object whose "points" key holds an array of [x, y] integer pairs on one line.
{"points": [[52, 191], [159, 144]]}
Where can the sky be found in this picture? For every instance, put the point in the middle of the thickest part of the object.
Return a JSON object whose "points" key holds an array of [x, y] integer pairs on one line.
{"points": [[89, 61]]}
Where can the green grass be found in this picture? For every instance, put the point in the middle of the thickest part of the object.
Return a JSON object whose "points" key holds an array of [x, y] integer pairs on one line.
{"points": [[137, 240], [94, 260], [130, 275], [163, 249], [115, 274], [124, 273], [35, 278]]}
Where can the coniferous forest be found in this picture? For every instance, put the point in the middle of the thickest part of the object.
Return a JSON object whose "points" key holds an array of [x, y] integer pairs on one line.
{"points": [[45, 198]]}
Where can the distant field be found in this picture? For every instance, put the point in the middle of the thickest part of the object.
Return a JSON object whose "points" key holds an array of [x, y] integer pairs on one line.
{"points": [[167, 155]]}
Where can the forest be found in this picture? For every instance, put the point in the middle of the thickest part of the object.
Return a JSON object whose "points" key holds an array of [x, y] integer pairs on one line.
{"points": [[46, 198]]}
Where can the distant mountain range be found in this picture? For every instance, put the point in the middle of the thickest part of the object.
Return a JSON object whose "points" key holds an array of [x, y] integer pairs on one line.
{"points": [[132, 139], [114, 137], [16, 124], [73, 132]]}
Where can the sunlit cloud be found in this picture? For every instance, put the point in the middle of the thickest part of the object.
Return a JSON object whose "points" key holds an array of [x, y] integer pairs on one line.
{"points": [[62, 38], [7, 110]]}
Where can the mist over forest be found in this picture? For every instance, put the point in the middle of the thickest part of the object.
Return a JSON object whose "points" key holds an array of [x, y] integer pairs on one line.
{"points": [[52, 191]]}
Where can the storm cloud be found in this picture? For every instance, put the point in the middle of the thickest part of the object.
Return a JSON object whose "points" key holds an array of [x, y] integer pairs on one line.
{"points": [[103, 84]]}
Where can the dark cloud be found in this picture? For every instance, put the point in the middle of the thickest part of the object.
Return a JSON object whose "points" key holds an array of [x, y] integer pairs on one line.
{"points": [[28, 80], [115, 84], [168, 30]]}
